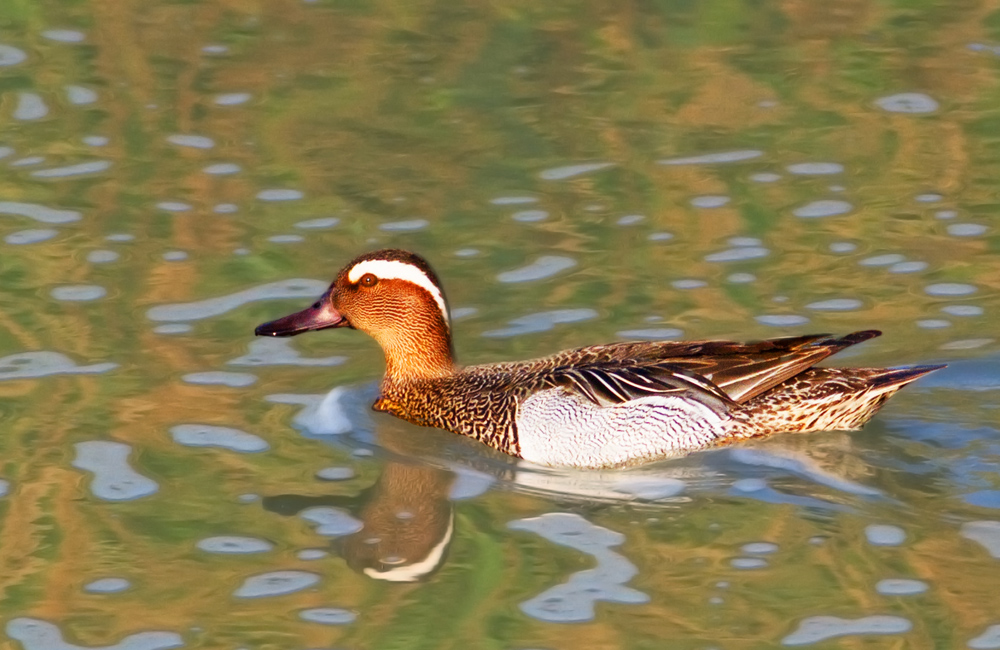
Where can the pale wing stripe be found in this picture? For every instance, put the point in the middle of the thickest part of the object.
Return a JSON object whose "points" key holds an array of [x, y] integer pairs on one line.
{"points": [[396, 270]]}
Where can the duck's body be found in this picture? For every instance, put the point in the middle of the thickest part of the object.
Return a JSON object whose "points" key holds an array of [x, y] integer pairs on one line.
{"points": [[600, 406]]}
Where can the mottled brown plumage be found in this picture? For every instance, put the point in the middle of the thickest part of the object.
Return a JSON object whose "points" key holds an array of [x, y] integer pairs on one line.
{"points": [[730, 391]]}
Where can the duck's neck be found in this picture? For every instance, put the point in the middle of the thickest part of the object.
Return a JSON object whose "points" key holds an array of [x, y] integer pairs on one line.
{"points": [[417, 354]]}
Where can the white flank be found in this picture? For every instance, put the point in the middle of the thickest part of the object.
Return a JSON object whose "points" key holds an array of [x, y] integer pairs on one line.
{"points": [[396, 270]]}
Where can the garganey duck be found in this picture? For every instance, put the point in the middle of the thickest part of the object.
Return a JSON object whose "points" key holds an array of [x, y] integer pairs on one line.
{"points": [[595, 407]]}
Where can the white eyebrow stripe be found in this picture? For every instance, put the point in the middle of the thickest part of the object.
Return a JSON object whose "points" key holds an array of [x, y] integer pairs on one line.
{"points": [[396, 270]]}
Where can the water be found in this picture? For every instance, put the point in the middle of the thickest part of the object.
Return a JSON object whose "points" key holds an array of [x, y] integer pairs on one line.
{"points": [[177, 173]]}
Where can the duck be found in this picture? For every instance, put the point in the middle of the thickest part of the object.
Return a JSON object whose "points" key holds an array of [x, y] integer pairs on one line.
{"points": [[597, 407]]}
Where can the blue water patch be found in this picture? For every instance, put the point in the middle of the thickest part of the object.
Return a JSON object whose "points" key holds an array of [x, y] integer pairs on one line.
{"points": [[276, 583], [207, 435], [36, 634], [820, 628], [114, 479], [332, 522], [328, 615], [234, 544], [574, 600], [107, 586]]}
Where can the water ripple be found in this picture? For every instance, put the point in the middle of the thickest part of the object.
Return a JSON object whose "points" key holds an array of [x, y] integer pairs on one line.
{"points": [[208, 308]]}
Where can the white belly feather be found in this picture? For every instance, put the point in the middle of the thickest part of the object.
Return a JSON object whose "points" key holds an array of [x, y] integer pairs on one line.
{"points": [[561, 428]]}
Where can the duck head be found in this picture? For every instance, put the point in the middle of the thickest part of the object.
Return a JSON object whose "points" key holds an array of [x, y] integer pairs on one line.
{"points": [[393, 296]]}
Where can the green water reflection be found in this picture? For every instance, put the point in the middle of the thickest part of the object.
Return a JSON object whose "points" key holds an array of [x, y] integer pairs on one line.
{"points": [[577, 173]]}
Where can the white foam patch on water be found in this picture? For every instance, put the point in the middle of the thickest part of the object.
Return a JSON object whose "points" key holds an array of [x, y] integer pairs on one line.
{"points": [[207, 435], [173, 206], [984, 533], [10, 55], [79, 293], [541, 322], [651, 334], [322, 415], [221, 378], [710, 201], [660, 236], [835, 304], [36, 634], [738, 254], [781, 320], [173, 328], [64, 35], [276, 583], [988, 640], [815, 169], [900, 587], [908, 267], [328, 616], [30, 106], [843, 247], [318, 224], [714, 158], [234, 544], [688, 284], [406, 225], [765, 177], [107, 586], [332, 522], [513, 200], [650, 488], [335, 474], [885, 259], [42, 363], [175, 256], [907, 103], [544, 267], [102, 256], [80, 95], [39, 212], [222, 169], [741, 278], [28, 161], [950, 289], [469, 483], [884, 535], [311, 554], [822, 208], [630, 219], [574, 600], [800, 465], [572, 171], [530, 216], [966, 229], [297, 288], [114, 479], [189, 140], [23, 237], [232, 99], [759, 548], [933, 323], [286, 239], [120, 237], [278, 194], [748, 563], [274, 351], [963, 310], [820, 628], [79, 169]]}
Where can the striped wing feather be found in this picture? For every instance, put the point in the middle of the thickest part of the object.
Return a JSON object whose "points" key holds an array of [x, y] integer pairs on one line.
{"points": [[718, 373]]}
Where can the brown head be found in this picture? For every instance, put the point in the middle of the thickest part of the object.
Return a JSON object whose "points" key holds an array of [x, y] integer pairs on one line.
{"points": [[394, 297]]}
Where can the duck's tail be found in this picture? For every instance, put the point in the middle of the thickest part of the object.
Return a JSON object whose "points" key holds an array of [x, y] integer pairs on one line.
{"points": [[824, 399]]}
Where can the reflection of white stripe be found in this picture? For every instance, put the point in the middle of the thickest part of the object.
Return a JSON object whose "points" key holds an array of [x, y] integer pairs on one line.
{"points": [[396, 270], [416, 570]]}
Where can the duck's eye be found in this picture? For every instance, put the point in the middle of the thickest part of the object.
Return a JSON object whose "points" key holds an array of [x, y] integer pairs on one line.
{"points": [[368, 280]]}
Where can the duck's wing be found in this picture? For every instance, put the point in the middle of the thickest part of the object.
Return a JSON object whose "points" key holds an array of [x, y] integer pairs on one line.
{"points": [[726, 371], [615, 383]]}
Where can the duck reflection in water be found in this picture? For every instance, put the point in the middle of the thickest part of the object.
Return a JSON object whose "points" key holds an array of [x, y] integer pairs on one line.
{"points": [[408, 522]]}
